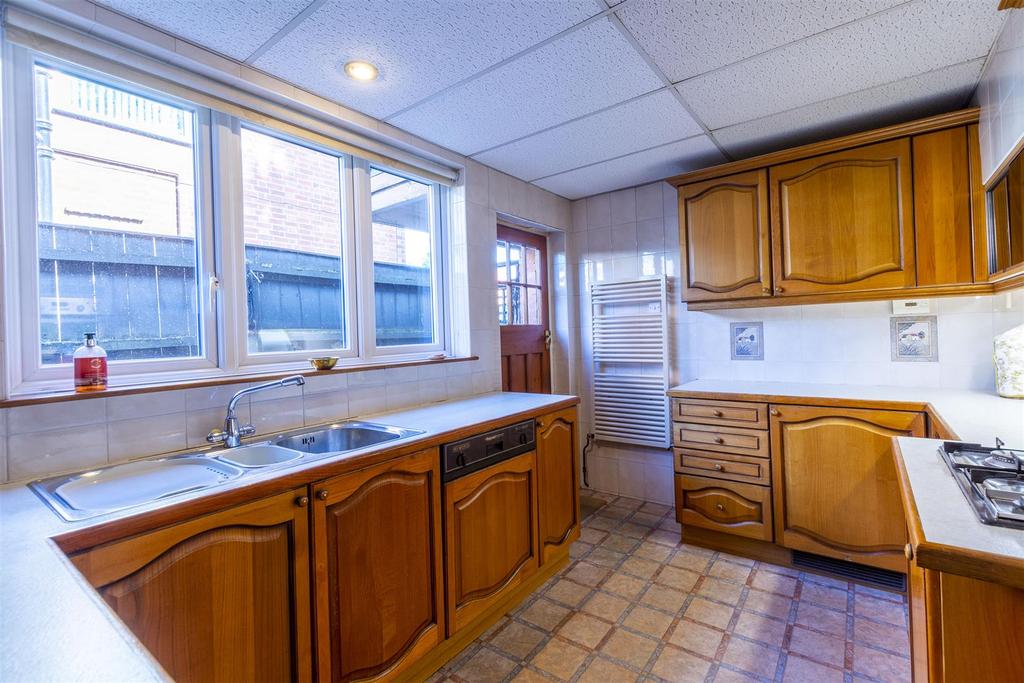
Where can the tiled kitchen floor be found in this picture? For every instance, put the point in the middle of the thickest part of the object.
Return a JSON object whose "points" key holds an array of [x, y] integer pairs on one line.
{"points": [[635, 605]]}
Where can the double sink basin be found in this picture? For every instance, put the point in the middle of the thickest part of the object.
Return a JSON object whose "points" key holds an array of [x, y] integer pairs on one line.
{"points": [[119, 487]]}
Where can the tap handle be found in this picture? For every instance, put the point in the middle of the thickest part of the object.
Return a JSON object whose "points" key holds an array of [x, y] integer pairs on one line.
{"points": [[217, 436], [246, 430]]}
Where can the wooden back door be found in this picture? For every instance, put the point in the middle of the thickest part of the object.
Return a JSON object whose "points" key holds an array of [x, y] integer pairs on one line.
{"points": [[523, 311]]}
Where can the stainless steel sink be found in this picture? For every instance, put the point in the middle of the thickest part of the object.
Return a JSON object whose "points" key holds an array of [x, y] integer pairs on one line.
{"points": [[118, 487], [347, 436], [258, 455]]}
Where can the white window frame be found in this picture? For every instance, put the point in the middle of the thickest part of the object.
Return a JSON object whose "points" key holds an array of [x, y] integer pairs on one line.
{"points": [[227, 135], [438, 270], [25, 365], [221, 295]]}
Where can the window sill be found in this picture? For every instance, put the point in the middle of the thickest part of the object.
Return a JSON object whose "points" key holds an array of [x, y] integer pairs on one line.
{"points": [[27, 399]]}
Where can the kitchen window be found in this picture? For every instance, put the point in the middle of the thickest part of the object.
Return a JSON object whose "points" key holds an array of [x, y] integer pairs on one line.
{"points": [[196, 243]]}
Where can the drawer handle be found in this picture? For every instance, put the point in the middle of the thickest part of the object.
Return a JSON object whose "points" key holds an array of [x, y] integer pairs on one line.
{"points": [[774, 412], [719, 507], [719, 440], [716, 413], [719, 467]]}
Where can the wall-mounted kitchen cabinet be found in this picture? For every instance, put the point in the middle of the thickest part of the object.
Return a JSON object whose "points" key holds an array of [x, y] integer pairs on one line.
{"points": [[844, 221], [892, 213], [725, 236]]}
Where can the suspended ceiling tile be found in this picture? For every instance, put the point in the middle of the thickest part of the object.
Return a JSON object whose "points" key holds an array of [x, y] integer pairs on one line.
{"points": [[647, 121], [419, 46], [916, 97], [635, 169], [689, 37], [586, 70], [231, 27], [912, 39]]}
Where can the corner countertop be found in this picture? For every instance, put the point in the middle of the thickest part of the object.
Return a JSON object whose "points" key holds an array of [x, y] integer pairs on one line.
{"points": [[54, 626], [977, 416], [945, 533]]}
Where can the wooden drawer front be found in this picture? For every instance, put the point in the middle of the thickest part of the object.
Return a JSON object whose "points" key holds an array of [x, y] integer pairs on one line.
{"points": [[720, 439], [724, 413], [727, 506], [724, 466]]}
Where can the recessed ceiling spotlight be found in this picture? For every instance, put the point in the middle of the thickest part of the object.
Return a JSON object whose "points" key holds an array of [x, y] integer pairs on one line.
{"points": [[361, 71]]}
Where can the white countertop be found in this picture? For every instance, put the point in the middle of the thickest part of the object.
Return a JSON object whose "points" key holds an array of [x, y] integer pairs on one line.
{"points": [[54, 627], [946, 516], [977, 416]]}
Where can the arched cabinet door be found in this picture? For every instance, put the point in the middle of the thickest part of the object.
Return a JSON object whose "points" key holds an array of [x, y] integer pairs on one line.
{"points": [[833, 469], [844, 221], [558, 483], [223, 597], [490, 536], [378, 573], [723, 225]]}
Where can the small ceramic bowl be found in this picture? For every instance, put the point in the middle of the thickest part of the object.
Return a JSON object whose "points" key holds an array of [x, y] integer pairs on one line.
{"points": [[324, 362]]}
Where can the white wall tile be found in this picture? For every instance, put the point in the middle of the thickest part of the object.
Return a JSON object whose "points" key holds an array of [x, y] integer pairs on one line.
{"points": [[45, 416], [277, 415], [142, 436], [146, 405], [37, 454], [325, 407]]}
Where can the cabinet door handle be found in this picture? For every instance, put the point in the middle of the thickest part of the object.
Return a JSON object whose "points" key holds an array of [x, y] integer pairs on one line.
{"points": [[719, 440], [719, 507], [766, 289], [717, 413], [908, 551], [302, 501], [322, 494], [774, 412], [779, 290]]}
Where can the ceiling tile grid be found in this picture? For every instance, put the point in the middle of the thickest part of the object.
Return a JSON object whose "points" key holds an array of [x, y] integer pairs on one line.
{"points": [[235, 28], [586, 70], [689, 37], [554, 92], [634, 169], [915, 97], [912, 39], [419, 46], [652, 120]]}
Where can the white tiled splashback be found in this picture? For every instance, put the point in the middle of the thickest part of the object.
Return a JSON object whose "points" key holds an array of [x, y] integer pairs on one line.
{"points": [[54, 437], [634, 233]]}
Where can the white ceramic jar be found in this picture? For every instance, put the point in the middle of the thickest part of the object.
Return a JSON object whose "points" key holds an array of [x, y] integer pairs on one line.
{"points": [[1009, 360]]}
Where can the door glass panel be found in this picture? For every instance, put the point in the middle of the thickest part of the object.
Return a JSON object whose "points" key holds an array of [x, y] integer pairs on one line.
{"points": [[533, 306], [532, 265], [520, 291]]}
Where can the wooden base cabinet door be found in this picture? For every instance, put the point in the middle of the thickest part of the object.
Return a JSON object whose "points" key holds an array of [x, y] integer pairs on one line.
{"points": [[224, 597], [558, 483], [378, 572], [834, 482], [844, 221], [490, 536]]}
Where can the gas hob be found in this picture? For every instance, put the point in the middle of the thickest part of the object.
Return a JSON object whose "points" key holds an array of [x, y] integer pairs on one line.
{"points": [[992, 479]]}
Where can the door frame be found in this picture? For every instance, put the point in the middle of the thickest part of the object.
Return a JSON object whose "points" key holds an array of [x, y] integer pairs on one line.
{"points": [[539, 240]]}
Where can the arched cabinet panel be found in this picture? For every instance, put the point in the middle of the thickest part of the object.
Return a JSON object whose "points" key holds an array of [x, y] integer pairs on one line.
{"points": [[844, 221], [558, 483], [378, 572], [833, 469], [724, 226], [223, 597]]}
